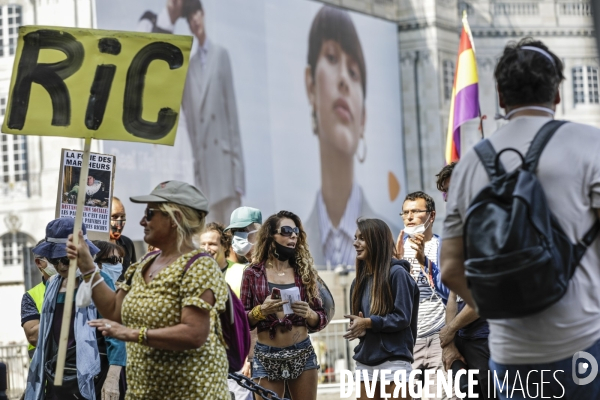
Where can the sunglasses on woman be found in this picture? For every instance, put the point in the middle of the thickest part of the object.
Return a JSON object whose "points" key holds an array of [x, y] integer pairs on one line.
{"points": [[61, 260], [113, 260], [288, 230], [150, 212]]}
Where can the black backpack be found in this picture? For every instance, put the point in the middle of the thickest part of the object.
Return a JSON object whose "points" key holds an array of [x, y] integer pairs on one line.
{"points": [[518, 259]]}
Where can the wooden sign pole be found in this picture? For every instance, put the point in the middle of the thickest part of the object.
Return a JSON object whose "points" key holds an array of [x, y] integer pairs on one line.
{"points": [[66, 321]]}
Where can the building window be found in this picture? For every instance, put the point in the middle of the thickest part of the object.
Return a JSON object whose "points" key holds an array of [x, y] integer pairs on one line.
{"points": [[14, 164], [10, 21], [448, 68], [585, 85], [592, 83], [13, 244], [16, 252]]}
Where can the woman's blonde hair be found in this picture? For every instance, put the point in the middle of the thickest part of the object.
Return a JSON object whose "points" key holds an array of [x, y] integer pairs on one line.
{"points": [[302, 262], [189, 222]]}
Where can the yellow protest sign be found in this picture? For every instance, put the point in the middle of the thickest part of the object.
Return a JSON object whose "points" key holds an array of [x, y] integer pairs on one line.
{"points": [[95, 83]]}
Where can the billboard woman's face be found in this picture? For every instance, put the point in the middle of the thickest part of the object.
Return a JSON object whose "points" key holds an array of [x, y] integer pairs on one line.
{"points": [[338, 99]]}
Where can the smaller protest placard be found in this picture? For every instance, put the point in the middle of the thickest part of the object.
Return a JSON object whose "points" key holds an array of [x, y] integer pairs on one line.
{"points": [[98, 191]]}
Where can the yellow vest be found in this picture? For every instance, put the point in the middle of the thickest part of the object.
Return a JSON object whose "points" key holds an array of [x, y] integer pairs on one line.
{"points": [[37, 294], [234, 275]]}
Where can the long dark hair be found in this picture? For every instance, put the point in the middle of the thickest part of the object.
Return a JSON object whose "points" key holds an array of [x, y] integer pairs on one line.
{"points": [[380, 250], [302, 262]]}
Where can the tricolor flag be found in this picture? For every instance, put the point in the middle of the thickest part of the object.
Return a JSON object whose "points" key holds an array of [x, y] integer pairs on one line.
{"points": [[464, 103]]}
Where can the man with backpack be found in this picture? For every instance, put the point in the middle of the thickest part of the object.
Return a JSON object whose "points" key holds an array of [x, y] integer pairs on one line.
{"points": [[519, 240]]}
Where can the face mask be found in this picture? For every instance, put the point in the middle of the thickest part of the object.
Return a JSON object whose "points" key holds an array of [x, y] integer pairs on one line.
{"points": [[49, 270], [284, 253], [241, 246], [112, 270], [413, 230]]}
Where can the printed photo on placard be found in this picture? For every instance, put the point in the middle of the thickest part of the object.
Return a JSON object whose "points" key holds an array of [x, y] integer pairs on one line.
{"points": [[98, 190]]}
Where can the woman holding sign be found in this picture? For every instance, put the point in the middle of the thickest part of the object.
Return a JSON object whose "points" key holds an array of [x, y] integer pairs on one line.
{"points": [[167, 309], [385, 303], [281, 295]]}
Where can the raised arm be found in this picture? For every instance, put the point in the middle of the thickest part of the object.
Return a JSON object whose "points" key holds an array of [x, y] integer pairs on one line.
{"points": [[106, 300]]}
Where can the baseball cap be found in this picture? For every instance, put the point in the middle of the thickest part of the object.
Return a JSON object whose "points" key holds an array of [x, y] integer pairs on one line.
{"points": [[176, 192], [241, 217]]}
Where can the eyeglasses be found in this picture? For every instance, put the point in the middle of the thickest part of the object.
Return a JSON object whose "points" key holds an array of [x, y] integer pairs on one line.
{"points": [[288, 230], [61, 260], [113, 260], [118, 221], [149, 213], [405, 214]]}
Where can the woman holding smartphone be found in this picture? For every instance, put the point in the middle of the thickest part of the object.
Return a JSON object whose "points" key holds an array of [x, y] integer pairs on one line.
{"points": [[283, 266], [385, 304]]}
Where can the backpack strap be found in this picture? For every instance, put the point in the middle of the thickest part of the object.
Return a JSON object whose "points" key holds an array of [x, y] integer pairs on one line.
{"points": [[587, 239], [532, 158], [192, 260], [229, 305], [538, 143], [487, 155]]}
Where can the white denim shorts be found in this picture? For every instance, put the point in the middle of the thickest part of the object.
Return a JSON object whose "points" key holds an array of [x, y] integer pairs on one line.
{"points": [[393, 366]]}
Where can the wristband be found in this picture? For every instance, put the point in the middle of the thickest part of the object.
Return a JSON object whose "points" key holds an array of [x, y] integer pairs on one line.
{"points": [[88, 275], [257, 314], [142, 338], [87, 278]]}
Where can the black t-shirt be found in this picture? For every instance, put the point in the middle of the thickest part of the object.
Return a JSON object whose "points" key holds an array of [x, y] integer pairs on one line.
{"points": [[129, 257]]}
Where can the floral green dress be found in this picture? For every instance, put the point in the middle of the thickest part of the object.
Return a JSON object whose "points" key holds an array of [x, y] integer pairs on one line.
{"points": [[162, 374]]}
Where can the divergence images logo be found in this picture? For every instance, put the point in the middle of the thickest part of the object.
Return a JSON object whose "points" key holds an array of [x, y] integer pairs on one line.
{"points": [[583, 367]]}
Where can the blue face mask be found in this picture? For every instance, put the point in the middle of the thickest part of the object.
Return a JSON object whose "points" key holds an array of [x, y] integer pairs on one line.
{"points": [[112, 270]]}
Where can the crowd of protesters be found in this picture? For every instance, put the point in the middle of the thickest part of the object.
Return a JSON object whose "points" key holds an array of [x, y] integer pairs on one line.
{"points": [[158, 318]]}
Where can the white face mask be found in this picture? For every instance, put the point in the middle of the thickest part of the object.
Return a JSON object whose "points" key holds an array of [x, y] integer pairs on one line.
{"points": [[241, 245], [49, 270], [413, 230], [114, 271]]}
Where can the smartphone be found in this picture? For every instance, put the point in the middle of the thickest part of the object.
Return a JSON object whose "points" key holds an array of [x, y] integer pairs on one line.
{"points": [[276, 293]]}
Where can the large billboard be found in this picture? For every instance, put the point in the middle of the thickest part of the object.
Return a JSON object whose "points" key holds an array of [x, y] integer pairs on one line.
{"points": [[288, 105]]}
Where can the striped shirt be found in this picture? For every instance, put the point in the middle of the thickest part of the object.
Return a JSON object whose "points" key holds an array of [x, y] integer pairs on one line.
{"points": [[338, 242], [432, 312]]}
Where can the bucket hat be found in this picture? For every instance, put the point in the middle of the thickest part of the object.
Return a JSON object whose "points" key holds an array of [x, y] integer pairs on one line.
{"points": [[55, 243]]}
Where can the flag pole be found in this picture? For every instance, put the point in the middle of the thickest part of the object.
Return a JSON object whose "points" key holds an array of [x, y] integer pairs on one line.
{"points": [[66, 321]]}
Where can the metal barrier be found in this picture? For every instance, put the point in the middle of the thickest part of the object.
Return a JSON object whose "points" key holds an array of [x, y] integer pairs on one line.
{"points": [[334, 353], [16, 359]]}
